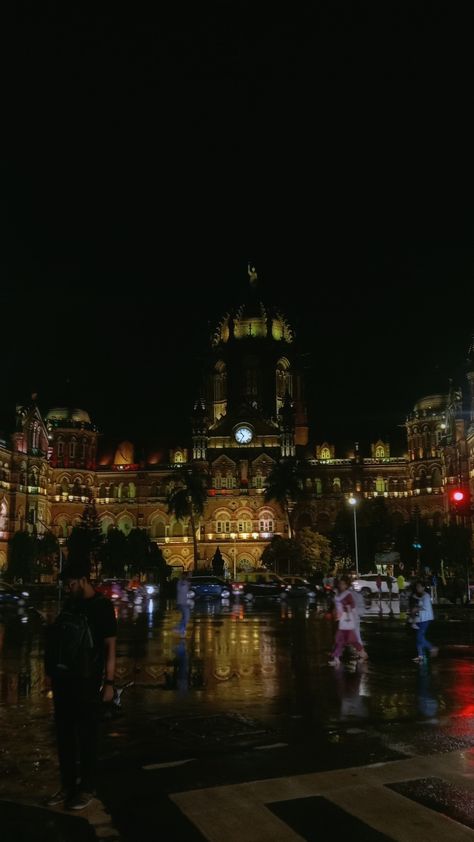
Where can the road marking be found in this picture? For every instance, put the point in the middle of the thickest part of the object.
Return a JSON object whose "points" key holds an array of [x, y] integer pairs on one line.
{"points": [[221, 812], [150, 766], [273, 745]]}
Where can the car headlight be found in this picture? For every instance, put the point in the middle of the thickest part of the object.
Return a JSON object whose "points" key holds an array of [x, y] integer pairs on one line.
{"points": [[225, 594]]}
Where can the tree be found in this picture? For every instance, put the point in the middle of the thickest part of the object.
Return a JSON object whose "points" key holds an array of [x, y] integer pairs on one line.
{"points": [[86, 538], [158, 567], [187, 501], [217, 563], [47, 551], [456, 547], [20, 557], [114, 554], [375, 533], [284, 486], [282, 555], [315, 551], [139, 549]]}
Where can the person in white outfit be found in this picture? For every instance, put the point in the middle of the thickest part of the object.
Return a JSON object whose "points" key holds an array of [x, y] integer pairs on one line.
{"points": [[344, 605], [424, 614], [182, 590]]}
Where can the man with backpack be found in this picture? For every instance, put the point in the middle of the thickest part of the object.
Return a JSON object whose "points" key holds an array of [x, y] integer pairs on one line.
{"points": [[80, 661]]}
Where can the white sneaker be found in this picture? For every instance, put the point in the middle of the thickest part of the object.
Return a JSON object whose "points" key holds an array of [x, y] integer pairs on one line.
{"points": [[334, 662]]}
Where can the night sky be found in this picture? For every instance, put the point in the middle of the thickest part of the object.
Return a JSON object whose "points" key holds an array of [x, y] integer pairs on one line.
{"points": [[147, 163]]}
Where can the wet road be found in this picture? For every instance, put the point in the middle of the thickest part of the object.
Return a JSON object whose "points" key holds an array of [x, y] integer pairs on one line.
{"points": [[246, 695]]}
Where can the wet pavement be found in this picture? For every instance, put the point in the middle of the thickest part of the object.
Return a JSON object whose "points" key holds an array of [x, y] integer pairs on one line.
{"points": [[246, 696]]}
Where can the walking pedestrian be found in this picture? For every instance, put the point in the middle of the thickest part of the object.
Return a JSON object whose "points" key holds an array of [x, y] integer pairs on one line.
{"points": [[182, 604], [80, 661], [345, 635], [424, 616], [378, 582]]}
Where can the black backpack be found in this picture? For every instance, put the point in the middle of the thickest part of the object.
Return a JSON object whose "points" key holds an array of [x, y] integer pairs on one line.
{"points": [[70, 648]]}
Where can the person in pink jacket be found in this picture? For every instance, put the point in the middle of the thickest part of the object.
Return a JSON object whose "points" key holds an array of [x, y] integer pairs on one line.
{"points": [[346, 635]]}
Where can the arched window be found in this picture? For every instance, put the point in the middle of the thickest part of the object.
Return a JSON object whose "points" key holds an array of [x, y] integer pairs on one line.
{"points": [[103, 490], [318, 486], [125, 525], [380, 485], [106, 524], [178, 457], [336, 485], [379, 452], [72, 448], [436, 480], [158, 529], [60, 448], [325, 453], [83, 448], [177, 529]]}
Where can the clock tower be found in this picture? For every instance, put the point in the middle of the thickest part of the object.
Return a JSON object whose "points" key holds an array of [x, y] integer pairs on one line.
{"points": [[253, 385]]}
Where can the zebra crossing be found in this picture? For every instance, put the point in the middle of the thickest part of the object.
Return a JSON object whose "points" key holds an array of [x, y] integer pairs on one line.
{"points": [[409, 800]]}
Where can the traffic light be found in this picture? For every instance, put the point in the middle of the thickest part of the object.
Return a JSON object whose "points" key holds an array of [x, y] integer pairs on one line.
{"points": [[460, 506]]}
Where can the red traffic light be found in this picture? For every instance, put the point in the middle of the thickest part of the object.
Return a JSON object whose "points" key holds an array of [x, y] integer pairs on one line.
{"points": [[458, 496]]}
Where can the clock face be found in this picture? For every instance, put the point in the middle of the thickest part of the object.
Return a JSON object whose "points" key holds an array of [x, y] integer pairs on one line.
{"points": [[243, 434]]}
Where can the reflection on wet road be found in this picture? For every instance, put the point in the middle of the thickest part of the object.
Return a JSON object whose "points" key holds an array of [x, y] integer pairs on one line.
{"points": [[265, 660]]}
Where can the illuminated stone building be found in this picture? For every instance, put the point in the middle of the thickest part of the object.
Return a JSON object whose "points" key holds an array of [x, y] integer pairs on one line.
{"points": [[249, 414]]}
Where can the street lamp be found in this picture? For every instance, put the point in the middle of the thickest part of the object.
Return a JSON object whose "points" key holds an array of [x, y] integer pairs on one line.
{"points": [[353, 502], [233, 535]]}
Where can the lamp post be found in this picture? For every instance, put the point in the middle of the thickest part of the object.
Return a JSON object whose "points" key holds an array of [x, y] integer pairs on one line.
{"points": [[353, 503], [233, 535]]}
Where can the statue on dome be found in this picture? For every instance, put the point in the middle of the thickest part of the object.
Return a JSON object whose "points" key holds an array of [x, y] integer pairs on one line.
{"points": [[252, 273]]}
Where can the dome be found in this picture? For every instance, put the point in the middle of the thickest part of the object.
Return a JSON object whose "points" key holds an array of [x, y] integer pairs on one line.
{"points": [[253, 320], [431, 403], [125, 453], [65, 413]]}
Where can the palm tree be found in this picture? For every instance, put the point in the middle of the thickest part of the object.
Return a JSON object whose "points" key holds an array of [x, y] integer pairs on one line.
{"points": [[284, 486], [187, 501]]}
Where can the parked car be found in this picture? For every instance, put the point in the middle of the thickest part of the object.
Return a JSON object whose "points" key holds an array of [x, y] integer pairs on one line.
{"points": [[367, 584], [10, 595], [298, 586], [208, 587], [153, 589], [136, 589], [237, 589], [115, 589], [261, 583]]}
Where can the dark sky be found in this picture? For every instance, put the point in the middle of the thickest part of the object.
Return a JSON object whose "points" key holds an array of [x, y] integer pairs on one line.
{"points": [[146, 163]]}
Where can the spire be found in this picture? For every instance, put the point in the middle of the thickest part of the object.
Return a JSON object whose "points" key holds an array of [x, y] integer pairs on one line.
{"points": [[252, 273], [470, 355]]}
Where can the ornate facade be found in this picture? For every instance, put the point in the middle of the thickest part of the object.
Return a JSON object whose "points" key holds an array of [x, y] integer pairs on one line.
{"points": [[250, 413]]}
